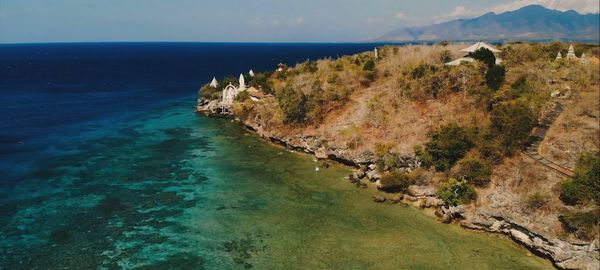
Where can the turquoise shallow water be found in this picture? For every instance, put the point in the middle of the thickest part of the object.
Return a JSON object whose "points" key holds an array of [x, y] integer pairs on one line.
{"points": [[173, 190]]}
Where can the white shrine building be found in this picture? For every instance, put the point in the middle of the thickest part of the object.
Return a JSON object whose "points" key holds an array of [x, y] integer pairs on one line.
{"points": [[231, 91], [471, 49]]}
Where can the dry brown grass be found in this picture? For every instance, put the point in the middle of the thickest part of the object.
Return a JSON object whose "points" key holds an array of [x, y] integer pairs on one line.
{"points": [[513, 182], [576, 130]]}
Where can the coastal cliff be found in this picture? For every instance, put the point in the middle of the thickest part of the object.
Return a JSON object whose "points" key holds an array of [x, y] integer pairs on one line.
{"points": [[383, 120]]}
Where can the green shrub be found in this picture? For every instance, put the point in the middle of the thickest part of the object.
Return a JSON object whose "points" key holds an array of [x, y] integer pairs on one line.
{"points": [[420, 70], [332, 78], [207, 92], [490, 150], [583, 225], [475, 170], [367, 77], [292, 103], [338, 66], [316, 102], [242, 96], [445, 56], [226, 81], [282, 76], [447, 145], [494, 77], [454, 192], [424, 157], [586, 183], [486, 56], [511, 123], [310, 66], [536, 201], [395, 181], [369, 66], [519, 86], [261, 81]]}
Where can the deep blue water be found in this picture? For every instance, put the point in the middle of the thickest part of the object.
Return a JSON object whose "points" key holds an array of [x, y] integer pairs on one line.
{"points": [[49, 92]]}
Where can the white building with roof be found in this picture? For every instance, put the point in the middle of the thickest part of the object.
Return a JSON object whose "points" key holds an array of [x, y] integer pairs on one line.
{"points": [[471, 49]]}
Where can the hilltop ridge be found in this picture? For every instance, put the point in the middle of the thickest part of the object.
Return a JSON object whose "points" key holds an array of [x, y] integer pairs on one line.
{"points": [[533, 22]]}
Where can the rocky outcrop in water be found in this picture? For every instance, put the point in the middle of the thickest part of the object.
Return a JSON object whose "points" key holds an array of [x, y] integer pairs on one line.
{"points": [[565, 255]]}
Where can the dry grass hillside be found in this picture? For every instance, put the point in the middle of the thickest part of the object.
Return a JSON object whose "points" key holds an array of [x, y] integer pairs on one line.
{"points": [[466, 122]]}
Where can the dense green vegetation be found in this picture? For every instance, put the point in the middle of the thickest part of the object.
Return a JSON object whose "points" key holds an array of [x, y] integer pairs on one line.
{"points": [[585, 186], [292, 104], [396, 181], [486, 56], [447, 145], [475, 170], [583, 224], [454, 192], [494, 77], [536, 201], [261, 81], [511, 124]]}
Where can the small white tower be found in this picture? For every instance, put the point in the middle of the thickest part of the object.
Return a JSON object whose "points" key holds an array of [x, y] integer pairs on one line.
{"points": [[558, 56], [251, 73], [571, 53], [376, 53], [583, 58], [214, 83], [242, 82]]}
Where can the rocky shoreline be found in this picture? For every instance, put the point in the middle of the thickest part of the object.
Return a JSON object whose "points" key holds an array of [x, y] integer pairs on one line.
{"points": [[563, 254]]}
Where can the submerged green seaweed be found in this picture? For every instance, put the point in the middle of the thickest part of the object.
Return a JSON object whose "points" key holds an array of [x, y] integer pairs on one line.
{"points": [[177, 191]]}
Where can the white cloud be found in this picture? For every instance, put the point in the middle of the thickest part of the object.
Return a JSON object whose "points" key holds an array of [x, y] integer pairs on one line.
{"points": [[274, 22], [296, 21], [400, 16], [256, 21], [581, 6], [458, 12]]}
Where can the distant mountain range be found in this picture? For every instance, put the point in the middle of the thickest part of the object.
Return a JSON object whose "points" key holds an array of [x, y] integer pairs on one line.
{"points": [[532, 22]]}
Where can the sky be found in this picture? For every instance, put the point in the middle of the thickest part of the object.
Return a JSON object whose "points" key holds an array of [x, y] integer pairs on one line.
{"points": [[27, 21]]}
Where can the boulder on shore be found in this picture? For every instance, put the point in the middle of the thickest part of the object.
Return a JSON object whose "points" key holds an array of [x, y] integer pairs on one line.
{"points": [[444, 217], [410, 198], [378, 198], [431, 202], [420, 191], [373, 176]]}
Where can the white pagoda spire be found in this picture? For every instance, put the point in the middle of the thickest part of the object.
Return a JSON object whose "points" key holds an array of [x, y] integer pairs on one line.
{"points": [[214, 83], [242, 82], [571, 53], [376, 53], [583, 58], [251, 73], [558, 56]]}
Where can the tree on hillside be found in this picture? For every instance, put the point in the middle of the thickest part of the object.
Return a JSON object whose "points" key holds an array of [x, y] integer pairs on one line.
{"points": [[292, 103], [369, 66], [486, 56], [586, 183], [447, 145], [512, 122], [494, 77]]}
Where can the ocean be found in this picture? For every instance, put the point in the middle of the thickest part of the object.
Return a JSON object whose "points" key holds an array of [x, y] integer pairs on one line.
{"points": [[105, 165]]}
